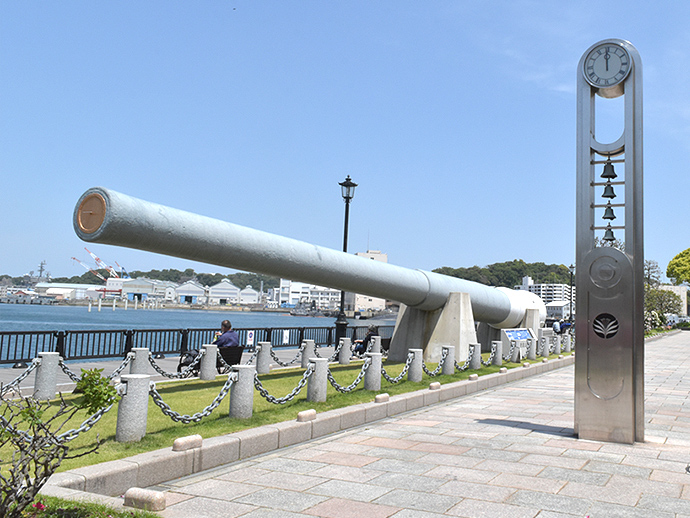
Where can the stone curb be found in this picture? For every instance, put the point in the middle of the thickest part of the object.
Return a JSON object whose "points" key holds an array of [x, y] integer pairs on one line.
{"points": [[98, 481]]}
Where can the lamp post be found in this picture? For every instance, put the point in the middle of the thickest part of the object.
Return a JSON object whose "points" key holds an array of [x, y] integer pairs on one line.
{"points": [[572, 271], [348, 192]]}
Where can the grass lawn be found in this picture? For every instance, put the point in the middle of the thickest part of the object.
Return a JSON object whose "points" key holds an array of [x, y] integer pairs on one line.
{"points": [[191, 396], [51, 507]]}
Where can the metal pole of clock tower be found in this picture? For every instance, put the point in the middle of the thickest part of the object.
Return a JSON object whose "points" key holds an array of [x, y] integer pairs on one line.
{"points": [[609, 365]]}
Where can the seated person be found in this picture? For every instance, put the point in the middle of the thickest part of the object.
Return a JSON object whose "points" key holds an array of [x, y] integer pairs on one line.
{"points": [[227, 337], [362, 345]]}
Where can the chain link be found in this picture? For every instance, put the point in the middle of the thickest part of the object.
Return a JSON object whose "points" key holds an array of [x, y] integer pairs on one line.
{"points": [[508, 357], [287, 364], [279, 401], [7, 426], [71, 375], [225, 366], [491, 356], [128, 359], [187, 372], [554, 344], [85, 426], [14, 384], [353, 385], [410, 357], [438, 368], [186, 419], [465, 365], [252, 357], [333, 356]]}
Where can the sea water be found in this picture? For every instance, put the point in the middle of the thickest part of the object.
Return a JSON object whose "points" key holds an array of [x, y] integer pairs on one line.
{"points": [[35, 317]]}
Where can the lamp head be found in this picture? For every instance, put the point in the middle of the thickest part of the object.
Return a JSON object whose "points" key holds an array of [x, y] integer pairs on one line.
{"points": [[347, 189]]}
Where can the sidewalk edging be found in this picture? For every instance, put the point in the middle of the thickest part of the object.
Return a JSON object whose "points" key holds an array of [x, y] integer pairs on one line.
{"points": [[99, 481]]}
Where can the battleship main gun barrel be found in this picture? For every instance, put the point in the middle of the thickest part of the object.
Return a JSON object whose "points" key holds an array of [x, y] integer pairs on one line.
{"points": [[109, 217]]}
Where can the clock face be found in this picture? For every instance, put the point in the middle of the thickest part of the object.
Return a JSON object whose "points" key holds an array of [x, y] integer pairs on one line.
{"points": [[606, 65]]}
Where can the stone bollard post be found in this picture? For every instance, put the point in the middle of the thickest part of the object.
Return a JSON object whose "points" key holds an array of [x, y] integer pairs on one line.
{"points": [[242, 392], [515, 348], [263, 358], [372, 377], [448, 367], [543, 342], [567, 344], [498, 354], [345, 352], [414, 373], [318, 381], [558, 341], [140, 362], [531, 349], [476, 359], [207, 369], [45, 384], [308, 352], [376, 344], [133, 408]]}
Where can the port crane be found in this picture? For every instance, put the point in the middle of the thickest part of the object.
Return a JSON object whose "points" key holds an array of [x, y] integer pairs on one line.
{"points": [[89, 268], [102, 264]]}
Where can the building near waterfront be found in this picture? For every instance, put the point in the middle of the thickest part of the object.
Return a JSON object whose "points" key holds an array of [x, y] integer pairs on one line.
{"points": [[191, 292], [293, 293], [558, 310], [548, 292], [223, 293], [249, 295], [70, 291]]}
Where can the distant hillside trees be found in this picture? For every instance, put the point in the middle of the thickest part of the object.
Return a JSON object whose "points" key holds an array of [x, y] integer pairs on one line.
{"points": [[510, 273]]}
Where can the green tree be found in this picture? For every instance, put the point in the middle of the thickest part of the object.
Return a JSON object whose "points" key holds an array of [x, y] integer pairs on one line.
{"points": [[662, 302], [510, 273], [652, 273], [679, 268]]}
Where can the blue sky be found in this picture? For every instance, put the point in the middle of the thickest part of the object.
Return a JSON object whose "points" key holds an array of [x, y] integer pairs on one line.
{"points": [[456, 119]]}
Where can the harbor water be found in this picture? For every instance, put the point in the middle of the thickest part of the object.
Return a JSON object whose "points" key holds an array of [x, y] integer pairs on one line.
{"points": [[35, 317]]}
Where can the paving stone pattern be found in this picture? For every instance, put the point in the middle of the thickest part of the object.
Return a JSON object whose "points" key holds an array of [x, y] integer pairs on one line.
{"points": [[503, 452]]}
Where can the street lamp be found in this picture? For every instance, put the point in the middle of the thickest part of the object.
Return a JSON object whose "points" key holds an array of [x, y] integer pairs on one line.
{"points": [[348, 192], [572, 271]]}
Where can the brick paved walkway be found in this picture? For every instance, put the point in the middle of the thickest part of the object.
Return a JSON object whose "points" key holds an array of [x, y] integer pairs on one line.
{"points": [[504, 452]]}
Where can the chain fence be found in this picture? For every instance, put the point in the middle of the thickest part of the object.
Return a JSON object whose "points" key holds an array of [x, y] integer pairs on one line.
{"points": [[14, 384], [333, 356], [294, 360], [353, 385], [187, 372], [438, 368], [280, 401], [76, 378], [491, 356], [250, 360], [186, 419], [465, 365], [507, 357], [128, 359], [399, 377], [89, 423]]}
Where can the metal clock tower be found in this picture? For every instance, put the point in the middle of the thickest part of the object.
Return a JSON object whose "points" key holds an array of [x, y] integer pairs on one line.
{"points": [[609, 364]]}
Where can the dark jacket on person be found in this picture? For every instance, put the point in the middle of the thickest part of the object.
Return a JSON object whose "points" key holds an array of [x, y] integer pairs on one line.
{"points": [[228, 339]]}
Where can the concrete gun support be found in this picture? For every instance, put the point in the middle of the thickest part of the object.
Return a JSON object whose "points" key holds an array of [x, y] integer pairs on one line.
{"points": [[109, 217]]}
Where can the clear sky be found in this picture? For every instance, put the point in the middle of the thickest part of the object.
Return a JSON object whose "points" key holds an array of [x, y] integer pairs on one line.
{"points": [[457, 120]]}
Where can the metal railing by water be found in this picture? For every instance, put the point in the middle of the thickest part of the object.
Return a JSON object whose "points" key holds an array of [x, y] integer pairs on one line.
{"points": [[23, 346]]}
